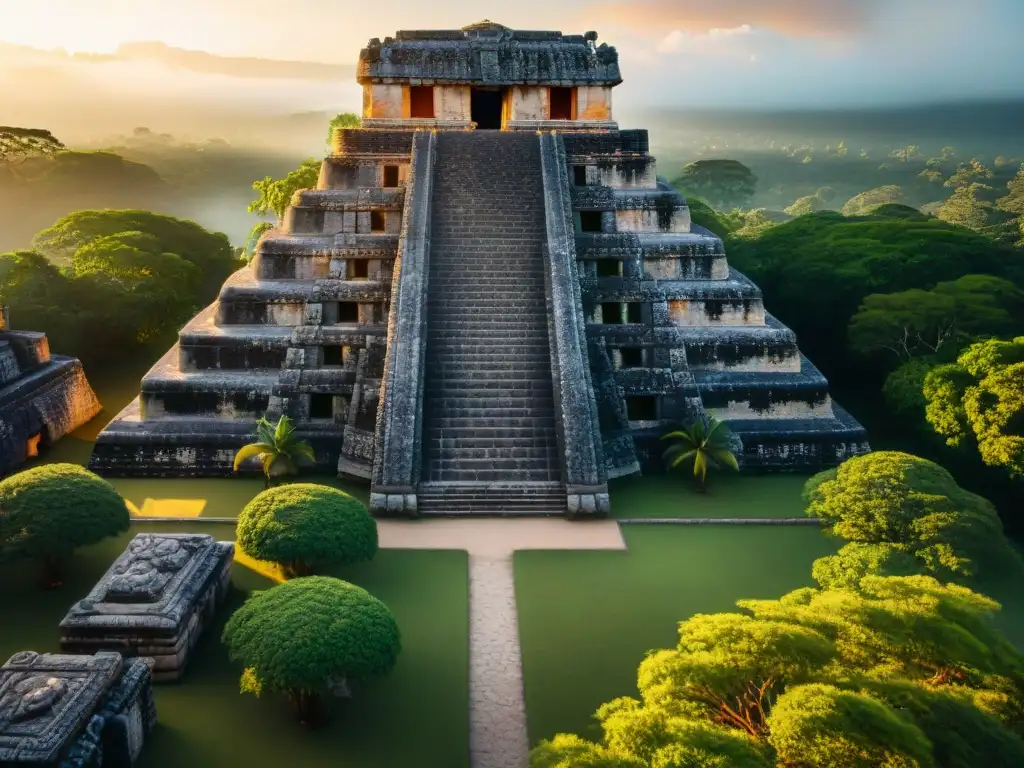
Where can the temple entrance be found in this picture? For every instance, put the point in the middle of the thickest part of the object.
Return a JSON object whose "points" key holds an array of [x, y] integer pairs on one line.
{"points": [[485, 108]]}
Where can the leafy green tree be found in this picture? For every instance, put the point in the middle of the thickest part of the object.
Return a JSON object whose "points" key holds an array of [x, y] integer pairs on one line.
{"points": [[753, 223], [705, 442], [1013, 204], [964, 208], [306, 528], [49, 511], [980, 397], [822, 726], [906, 154], [916, 323], [860, 204], [253, 238], [308, 638], [932, 175], [973, 172], [275, 195], [807, 204], [855, 560], [278, 449], [209, 251], [817, 269], [19, 144], [344, 120], [725, 183], [887, 497], [904, 391], [718, 223]]}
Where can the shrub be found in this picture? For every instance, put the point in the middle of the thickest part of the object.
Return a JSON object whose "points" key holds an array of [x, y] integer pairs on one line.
{"points": [[305, 527], [309, 637], [853, 562], [47, 512]]}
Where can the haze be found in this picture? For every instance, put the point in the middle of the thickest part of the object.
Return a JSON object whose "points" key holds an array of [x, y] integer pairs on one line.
{"points": [[205, 67]]}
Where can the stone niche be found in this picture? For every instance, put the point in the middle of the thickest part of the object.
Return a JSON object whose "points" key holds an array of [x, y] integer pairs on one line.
{"points": [[74, 711], [154, 601]]}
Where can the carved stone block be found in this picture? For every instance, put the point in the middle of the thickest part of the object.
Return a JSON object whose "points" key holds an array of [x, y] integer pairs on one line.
{"points": [[74, 711], [154, 601]]}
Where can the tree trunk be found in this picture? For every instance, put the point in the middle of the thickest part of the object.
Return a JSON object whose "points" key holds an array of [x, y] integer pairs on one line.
{"points": [[298, 569], [51, 576], [308, 706]]}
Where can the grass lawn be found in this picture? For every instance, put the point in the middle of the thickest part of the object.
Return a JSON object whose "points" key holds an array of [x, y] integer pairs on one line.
{"points": [[729, 495], [586, 619], [416, 716]]}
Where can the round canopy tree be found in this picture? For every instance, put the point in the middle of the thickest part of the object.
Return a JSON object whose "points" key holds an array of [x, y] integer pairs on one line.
{"points": [[310, 637], [305, 527], [47, 512]]}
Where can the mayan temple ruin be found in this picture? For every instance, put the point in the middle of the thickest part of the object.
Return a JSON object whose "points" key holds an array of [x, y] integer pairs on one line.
{"points": [[42, 396], [490, 303]]}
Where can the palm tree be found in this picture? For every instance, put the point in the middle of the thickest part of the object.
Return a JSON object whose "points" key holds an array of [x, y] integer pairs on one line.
{"points": [[706, 442], [278, 449]]}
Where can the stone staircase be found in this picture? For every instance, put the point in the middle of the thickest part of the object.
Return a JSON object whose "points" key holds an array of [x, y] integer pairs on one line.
{"points": [[490, 443]]}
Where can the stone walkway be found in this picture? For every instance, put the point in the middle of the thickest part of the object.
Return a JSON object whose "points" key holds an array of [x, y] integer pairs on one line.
{"points": [[497, 709]]}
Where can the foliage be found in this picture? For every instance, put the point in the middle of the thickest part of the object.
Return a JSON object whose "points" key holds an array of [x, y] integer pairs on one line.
{"points": [[344, 120], [19, 144], [92, 170], [707, 441], [253, 238], [916, 323], [303, 637], [705, 216], [968, 174], [904, 391], [811, 203], [278, 449], [724, 183], [964, 209], [887, 497], [753, 223], [856, 257], [897, 211], [855, 560], [275, 195], [49, 511], [831, 677], [859, 205], [307, 527], [981, 396], [822, 726]]}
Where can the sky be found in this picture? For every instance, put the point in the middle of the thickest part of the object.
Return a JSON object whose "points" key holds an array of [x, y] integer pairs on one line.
{"points": [[673, 53]]}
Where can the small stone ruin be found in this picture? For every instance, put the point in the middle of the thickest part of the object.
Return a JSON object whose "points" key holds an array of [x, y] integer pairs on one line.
{"points": [[154, 601], [42, 397], [74, 711]]}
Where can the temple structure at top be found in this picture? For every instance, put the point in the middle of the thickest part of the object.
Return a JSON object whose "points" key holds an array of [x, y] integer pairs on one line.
{"points": [[490, 304]]}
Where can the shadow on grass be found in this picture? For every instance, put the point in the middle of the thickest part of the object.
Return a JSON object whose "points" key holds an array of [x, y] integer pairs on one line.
{"points": [[416, 716]]}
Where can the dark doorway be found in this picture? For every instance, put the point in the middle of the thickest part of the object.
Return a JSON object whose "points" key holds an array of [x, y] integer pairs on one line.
{"points": [[421, 102], [485, 108], [561, 103]]}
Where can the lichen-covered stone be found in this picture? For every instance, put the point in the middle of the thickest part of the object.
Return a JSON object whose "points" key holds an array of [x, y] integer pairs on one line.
{"points": [[154, 601], [74, 711]]}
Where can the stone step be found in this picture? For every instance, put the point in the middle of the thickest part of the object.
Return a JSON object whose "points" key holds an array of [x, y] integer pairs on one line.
{"points": [[541, 453], [452, 441], [510, 369], [477, 464], [505, 422], [471, 412], [438, 474]]}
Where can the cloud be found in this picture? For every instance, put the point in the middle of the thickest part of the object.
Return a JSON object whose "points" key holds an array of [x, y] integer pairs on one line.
{"points": [[792, 18], [678, 40]]}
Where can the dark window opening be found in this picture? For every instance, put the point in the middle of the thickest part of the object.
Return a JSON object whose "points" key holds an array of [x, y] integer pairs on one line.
{"points": [[333, 355], [591, 221], [634, 313], [642, 408], [611, 314], [321, 406], [348, 312], [390, 176], [378, 222], [250, 403], [561, 103], [632, 357], [609, 268], [579, 175], [188, 403], [421, 101], [359, 269], [485, 108]]}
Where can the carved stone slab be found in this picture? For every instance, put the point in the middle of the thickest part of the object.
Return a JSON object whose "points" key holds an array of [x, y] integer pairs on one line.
{"points": [[46, 700], [154, 601]]}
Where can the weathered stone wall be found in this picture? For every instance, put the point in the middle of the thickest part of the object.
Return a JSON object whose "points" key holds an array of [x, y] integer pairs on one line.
{"points": [[398, 428], [594, 102], [579, 423], [529, 102]]}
